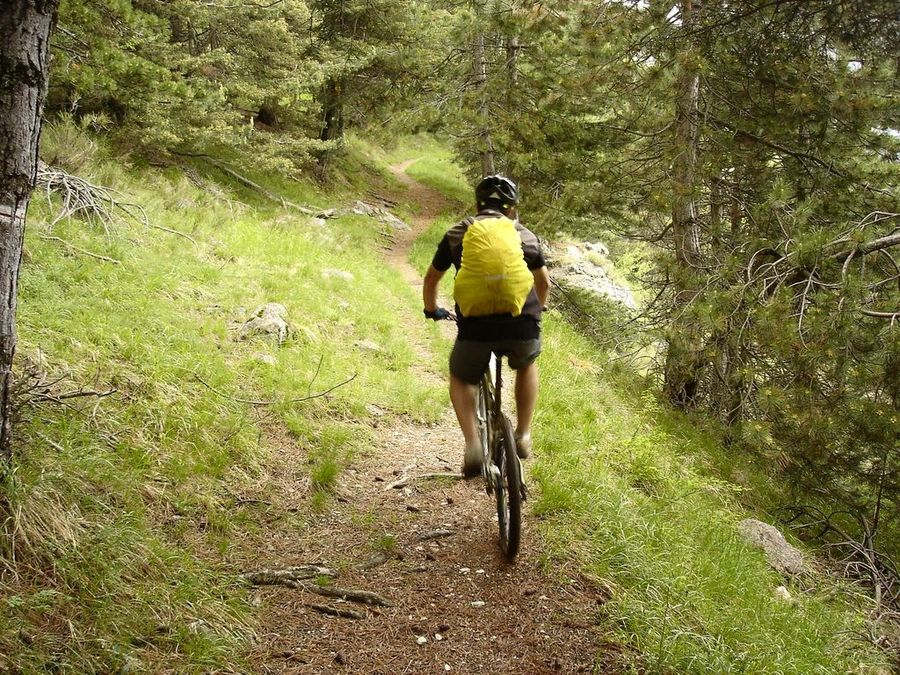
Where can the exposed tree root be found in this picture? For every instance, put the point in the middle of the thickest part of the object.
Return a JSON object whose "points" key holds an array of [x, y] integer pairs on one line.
{"points": [[373, 562], [267, 577], [345, 613], [351, 594]]}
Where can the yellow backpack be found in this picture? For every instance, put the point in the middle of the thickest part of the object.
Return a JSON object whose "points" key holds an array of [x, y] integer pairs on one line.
{"points": [[493, 277]]}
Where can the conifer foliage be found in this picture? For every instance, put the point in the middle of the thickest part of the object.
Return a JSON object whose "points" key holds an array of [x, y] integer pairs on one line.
{"points": [[753, 148]]}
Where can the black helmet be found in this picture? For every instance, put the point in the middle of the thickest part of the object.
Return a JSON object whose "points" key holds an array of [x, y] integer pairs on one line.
{"points": [[498, 190]]}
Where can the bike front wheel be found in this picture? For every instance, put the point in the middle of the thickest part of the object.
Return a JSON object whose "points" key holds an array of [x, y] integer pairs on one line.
{"points": [[508, 490]]}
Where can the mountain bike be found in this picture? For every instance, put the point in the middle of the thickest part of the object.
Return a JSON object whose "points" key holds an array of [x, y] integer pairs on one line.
{"points": [[501, 468]]}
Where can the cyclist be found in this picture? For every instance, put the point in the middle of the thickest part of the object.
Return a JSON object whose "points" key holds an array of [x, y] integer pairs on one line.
{"points": [[518, 335]]}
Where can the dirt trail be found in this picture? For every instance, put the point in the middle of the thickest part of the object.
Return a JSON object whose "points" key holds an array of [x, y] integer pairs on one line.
{"points": [[456, 606]]}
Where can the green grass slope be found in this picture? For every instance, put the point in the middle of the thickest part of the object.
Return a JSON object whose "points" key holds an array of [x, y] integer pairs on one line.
{"points": [[633, 492], [123, 512], [101, 563]]}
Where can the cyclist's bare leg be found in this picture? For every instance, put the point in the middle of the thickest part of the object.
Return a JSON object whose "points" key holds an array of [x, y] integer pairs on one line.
{"points": [[463, 395], [526, 398]]}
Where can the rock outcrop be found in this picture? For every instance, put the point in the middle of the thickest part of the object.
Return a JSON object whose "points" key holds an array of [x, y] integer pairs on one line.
{"points": [[586, 265], [779, 553], [380, 213]]}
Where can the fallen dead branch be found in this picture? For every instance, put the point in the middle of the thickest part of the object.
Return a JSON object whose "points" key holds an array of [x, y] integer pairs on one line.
{"points": [[251, 401], [269, 577], [59, 398], [95, 203], [256, 187], [343, 612]]}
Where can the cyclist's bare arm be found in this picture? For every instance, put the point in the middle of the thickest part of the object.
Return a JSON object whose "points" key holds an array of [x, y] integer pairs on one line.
{"points": [[430, 288], [541, 284]]}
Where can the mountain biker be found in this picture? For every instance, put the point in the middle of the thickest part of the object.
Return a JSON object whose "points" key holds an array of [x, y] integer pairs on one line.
{"points": [[516, 335]]}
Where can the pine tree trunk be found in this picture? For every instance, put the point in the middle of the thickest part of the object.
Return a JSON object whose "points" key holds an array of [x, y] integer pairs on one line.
{"points": [[487, 145], [333, 109], [25, 27], [682, 370], [512, 68]]}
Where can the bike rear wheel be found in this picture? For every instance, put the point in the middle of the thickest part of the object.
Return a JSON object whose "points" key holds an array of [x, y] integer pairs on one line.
{"points": [[508, 490]]}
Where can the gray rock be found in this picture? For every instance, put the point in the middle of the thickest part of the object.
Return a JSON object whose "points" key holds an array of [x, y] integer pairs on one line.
{"points": [[269, 320], [331, 273], [579, 264], [361, 208], [779, 553], [268, 359]]}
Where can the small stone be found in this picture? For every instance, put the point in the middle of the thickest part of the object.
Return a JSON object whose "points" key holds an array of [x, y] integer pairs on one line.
{"points": [[369, 345], [438, 637], [421, 639], [463, 570], [783, 594], [477, 603], [374, 410], [331, 273], [268, 359], [255, 600], [446, 666], [479, 571], [412, 508]]}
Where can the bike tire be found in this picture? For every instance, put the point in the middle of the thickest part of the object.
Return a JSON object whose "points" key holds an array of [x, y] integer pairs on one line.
{"points": [[508, 491]]}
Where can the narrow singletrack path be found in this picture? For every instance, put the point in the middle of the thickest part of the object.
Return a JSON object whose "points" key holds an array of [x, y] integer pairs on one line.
{"points": [[428, 546]]}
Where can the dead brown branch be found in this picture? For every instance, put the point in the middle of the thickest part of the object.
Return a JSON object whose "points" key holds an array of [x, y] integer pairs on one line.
{"points": [[251, 401]]}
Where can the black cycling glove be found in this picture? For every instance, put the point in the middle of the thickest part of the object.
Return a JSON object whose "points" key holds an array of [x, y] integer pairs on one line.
{"points": [[438, 314]]}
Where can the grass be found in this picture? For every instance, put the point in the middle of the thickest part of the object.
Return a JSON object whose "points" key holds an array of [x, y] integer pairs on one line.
{"points": [[117, 504], [635, 494], [123, 514]]}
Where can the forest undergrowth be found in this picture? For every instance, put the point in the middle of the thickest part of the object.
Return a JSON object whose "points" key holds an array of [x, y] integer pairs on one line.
{"points": [[123, 506]]}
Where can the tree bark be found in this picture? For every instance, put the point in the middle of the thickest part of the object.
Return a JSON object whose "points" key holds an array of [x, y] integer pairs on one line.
{"points": [[487, 145], [682, 371], [25, 27]]}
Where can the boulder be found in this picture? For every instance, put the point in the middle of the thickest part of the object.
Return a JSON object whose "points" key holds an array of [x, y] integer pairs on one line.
{"points": [[269, 320], [779, 553]]}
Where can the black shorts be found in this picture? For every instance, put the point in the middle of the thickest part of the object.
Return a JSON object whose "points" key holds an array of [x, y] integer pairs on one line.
{"points": [[469, 358]]}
